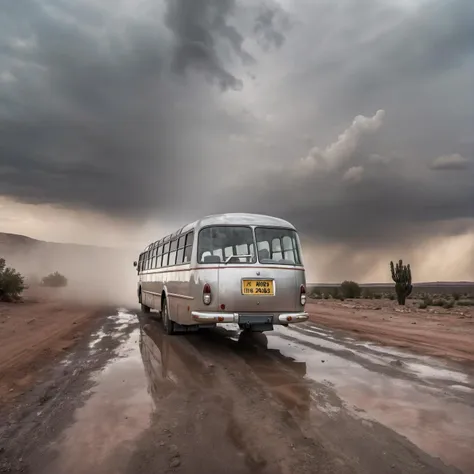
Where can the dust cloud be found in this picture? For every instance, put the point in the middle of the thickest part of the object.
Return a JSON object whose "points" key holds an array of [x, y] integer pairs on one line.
{"points": [[95, 275]]}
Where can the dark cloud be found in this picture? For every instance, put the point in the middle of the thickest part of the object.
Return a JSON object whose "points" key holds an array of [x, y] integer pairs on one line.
{"points": [[197, 24], [93, 117], [271, 24], [339, 194], [110, 112]]}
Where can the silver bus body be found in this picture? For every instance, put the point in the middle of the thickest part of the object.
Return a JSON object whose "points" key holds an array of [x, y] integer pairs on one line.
{"points": [[228, 268]]}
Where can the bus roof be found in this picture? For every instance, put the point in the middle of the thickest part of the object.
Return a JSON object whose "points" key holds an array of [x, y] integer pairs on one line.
{"points": [[242, 219], [234, 218]]}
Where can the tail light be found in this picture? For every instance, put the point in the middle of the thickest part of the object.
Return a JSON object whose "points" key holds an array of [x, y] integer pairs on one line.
{"points": [[206, 294], [302, 295]]}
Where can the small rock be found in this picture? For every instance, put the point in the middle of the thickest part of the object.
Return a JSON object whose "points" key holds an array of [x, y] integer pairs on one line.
{"points": [[175, 462], [323, 361], [414, 322], [31, 321], [162, 443], [210, 365]]}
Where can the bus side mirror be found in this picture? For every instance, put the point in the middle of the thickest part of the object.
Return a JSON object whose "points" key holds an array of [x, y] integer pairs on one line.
{"points": [[135, 263]]}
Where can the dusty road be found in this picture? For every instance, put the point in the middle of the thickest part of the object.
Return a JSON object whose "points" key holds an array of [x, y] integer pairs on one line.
{"points": [[36, 332], [130, 399], [448, 333]]}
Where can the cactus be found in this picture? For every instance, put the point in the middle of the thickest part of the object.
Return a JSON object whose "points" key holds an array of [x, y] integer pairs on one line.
{"points": [[401, 275]]}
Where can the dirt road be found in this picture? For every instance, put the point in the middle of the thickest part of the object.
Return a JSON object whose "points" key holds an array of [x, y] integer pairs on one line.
{"points": [[436, 331], [130, 399], [37, 331]]}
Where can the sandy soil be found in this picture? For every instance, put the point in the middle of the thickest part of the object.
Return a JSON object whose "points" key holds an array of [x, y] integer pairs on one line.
{"points": [[37, 331], [433, 331]]}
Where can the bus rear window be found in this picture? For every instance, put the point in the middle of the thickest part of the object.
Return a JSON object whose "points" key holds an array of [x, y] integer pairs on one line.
{"points": [[220, 243], [277, 246]]}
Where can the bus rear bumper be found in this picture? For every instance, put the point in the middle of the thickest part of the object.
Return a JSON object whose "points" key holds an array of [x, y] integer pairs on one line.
{"points": [[284, 318], [289, 318]]}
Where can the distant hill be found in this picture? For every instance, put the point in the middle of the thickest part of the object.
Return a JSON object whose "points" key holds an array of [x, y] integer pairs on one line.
{"points": [[437, 287], [16, 241], [384, 285]]}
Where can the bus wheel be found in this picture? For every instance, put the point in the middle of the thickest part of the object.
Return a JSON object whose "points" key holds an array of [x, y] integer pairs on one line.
{"points": [[165, 315], [144, 308]]}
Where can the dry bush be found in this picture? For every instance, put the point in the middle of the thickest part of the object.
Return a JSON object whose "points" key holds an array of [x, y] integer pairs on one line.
{"points": [[350, 289], [11, 283], [55, 280], [465, 303]]}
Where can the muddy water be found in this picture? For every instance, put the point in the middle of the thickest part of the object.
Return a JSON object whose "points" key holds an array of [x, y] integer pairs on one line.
{"points": [[283, 401], [424, 399]]}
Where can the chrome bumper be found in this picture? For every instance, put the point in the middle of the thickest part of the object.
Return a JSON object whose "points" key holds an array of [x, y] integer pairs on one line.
{"points": [[284, 318], [293, 318]]}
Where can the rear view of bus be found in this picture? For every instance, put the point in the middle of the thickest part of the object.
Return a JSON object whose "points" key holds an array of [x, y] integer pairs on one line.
{"points": [[250, 272]]}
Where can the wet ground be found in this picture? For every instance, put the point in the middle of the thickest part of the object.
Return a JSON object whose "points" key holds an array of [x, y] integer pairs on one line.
{"points": [[132, 400]]}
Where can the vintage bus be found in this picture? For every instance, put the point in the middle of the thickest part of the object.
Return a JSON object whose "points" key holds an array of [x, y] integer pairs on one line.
{"points": [[227, 268]]}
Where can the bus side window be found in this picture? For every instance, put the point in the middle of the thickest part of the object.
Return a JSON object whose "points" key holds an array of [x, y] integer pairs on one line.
{"points": [[189, 247], [160, 256], [166, 248], [180, 254]]}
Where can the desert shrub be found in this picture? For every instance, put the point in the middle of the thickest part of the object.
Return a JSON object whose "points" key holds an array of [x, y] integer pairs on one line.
{"points": [[448, 304], [423, 305], [377, 296], [55, 280], [11, 283], [456, 296], [316, 294], [336, 294], [438, 302], [465, 303], [367, 294], [350, 289], [427, 300], [391, 296]]}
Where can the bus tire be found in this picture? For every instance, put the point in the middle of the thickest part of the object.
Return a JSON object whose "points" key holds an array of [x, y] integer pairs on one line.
{"points": [[168, 324], [144, 308]]}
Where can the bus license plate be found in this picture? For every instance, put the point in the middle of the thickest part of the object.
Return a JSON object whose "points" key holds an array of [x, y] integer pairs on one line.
{"points": [[258, 287]]}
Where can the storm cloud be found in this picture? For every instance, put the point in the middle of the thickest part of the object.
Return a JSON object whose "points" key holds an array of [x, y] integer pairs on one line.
{"points": [[337, 117]]}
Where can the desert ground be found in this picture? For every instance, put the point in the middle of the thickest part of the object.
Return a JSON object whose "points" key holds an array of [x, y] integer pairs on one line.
{"points": [[365, 386]]}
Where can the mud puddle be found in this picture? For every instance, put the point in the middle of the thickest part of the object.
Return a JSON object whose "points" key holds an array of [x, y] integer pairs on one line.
{"points": [[424, 399], [117, 407]]}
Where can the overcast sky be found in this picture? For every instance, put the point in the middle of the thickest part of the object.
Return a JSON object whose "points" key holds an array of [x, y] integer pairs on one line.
{"points": [[120, 120]]}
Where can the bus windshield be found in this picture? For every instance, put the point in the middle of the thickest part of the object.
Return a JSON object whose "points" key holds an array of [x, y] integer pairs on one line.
{"points": [[219, 244], [278, 246]]}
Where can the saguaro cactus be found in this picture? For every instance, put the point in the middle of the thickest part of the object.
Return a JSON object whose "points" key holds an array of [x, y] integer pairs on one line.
{"points": [[401, 275]]}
